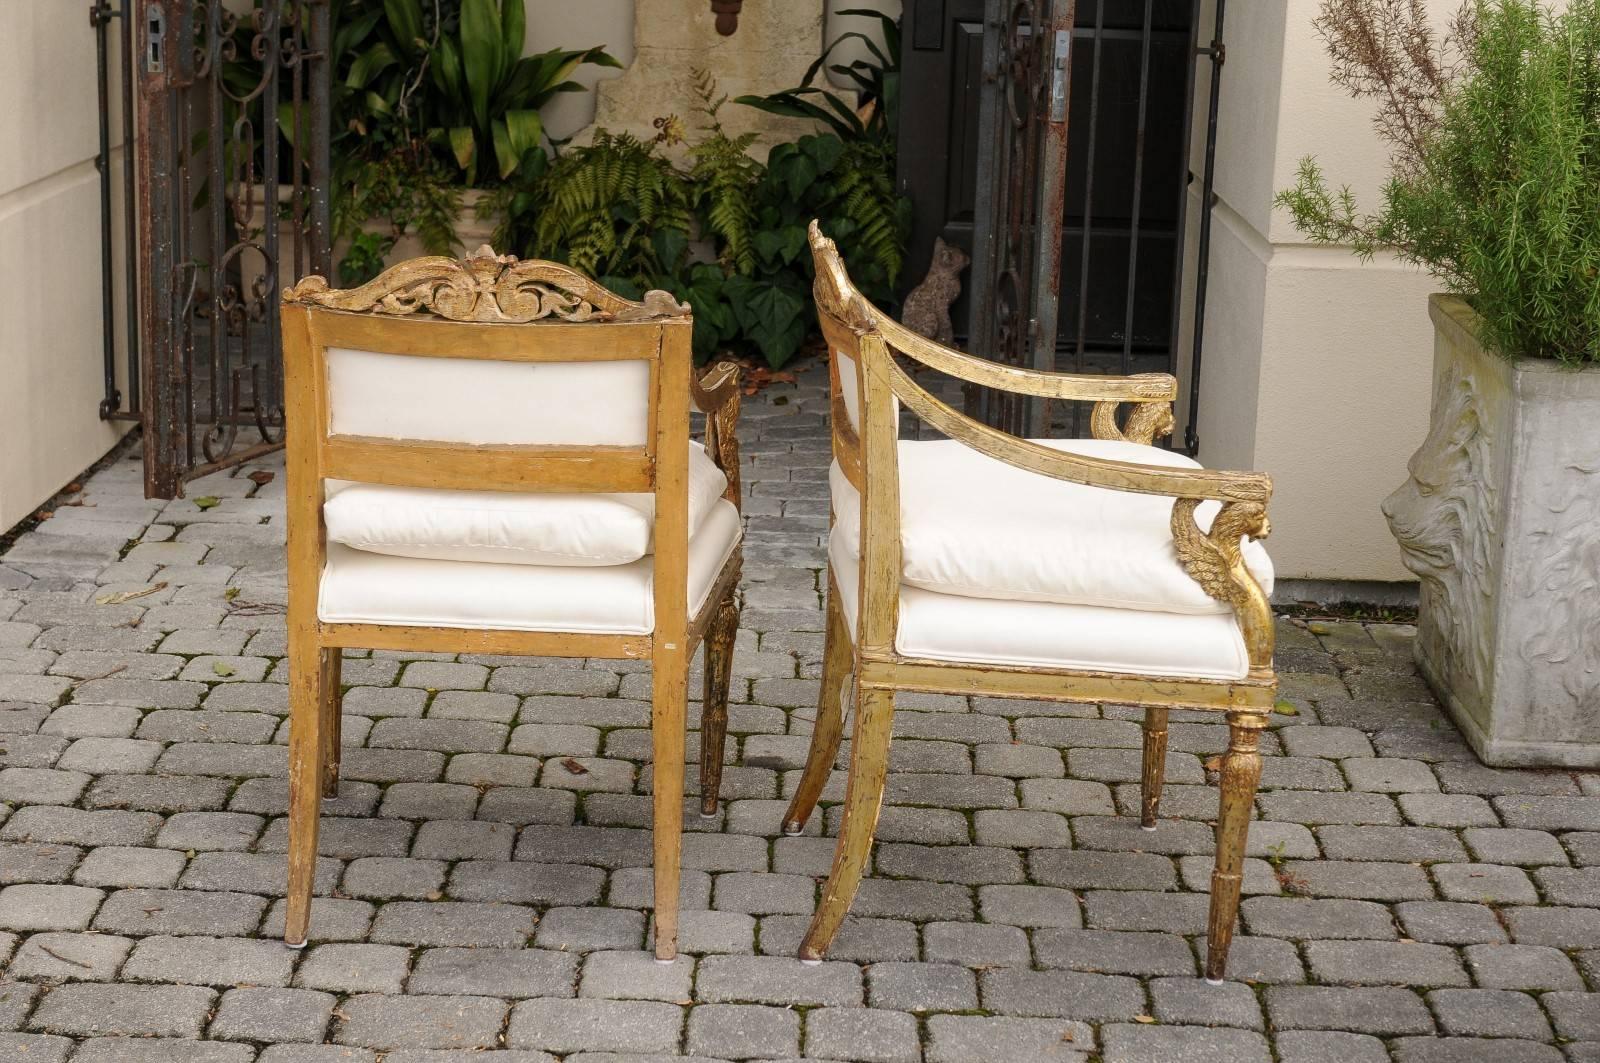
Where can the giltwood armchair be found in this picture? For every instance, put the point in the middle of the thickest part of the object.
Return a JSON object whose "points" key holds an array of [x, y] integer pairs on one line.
{"points": [[1102, 570], [493, 456]]}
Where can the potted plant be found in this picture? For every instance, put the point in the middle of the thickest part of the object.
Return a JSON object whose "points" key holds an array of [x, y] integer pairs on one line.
{"points": [[1495, 190], [433, 105]]}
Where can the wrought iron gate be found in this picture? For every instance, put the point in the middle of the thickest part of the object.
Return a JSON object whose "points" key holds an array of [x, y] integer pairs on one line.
{"points": [[1078, 253], [228, 114], [1022, 166]]}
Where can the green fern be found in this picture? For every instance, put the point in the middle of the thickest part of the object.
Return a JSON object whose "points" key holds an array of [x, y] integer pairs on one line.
{"points": [[614, 207], [725, 177], [863, 191]]}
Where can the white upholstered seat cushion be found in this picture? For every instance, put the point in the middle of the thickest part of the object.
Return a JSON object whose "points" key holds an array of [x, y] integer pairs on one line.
{"points": [[950, 627], [510, 528], [360, 587], [976, 527]]}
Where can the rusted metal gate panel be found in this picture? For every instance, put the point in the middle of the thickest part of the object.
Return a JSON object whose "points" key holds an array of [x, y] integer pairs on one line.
{"points": [[230, 120], [1022, 165], [1104, 297]]}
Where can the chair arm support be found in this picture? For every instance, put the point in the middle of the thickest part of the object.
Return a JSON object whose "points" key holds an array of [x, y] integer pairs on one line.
{"points": [[717, 387], [1148, 422], [716, 394], [1215, 560], [1088, 387]]}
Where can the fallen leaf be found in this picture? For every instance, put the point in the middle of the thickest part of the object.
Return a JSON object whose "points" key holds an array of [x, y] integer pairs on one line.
{"points": [[74, 487], [222, 668], [1285, 708], [574, 767], [118, 597], [261, 477], [230, 594], [1144, 1018], [207, 502]]}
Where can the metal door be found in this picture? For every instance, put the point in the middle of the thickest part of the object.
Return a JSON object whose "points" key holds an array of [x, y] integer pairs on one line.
{"points": [[1133, 72], [1022, 166], [230, 202]]}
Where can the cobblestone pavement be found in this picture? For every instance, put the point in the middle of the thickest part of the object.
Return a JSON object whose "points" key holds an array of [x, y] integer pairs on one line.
{"points": [[1404, 902]]}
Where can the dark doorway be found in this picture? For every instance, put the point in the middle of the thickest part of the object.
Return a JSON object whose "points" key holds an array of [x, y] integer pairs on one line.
{"points": [[1127, 170]]}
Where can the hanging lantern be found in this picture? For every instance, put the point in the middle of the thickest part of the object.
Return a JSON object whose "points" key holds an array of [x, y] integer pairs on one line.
{"points": [[727, 12]]}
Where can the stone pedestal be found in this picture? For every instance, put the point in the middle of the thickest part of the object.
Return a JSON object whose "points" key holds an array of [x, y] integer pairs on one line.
{"points": [[1501, 520], [775, 42]]}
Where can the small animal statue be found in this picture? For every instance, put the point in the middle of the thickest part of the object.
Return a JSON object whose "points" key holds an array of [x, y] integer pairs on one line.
{"points": [[927, 307]]}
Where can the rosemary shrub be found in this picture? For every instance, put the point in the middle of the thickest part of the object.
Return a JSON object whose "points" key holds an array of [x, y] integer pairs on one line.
{"points": [[1495, 178]]}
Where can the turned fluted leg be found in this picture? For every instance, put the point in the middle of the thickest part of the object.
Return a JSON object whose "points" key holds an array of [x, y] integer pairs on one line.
{"points": [[869, 765], [829, 726], [332, 718], [1155, 766], [1241, 773], [714, 704]]}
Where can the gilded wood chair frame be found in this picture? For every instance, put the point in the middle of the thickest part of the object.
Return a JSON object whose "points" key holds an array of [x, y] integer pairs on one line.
{"points": [[517, 311], [869, 461]]}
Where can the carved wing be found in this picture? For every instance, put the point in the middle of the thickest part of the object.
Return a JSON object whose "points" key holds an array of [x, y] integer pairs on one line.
{"points": [[1214, 560]]}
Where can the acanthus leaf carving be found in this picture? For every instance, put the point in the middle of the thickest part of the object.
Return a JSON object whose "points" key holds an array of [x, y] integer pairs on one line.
{"points": [[485, 287]]}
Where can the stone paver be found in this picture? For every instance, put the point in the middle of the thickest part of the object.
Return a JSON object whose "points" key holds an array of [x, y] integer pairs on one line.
{"points": [[479, 899]]}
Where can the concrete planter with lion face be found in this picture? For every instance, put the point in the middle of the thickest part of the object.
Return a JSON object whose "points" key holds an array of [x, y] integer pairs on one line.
{"points": [[1501, 522]]}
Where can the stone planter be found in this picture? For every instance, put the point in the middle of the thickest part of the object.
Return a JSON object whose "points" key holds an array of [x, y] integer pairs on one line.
{"points": [[471, 231], [1501, 521]]}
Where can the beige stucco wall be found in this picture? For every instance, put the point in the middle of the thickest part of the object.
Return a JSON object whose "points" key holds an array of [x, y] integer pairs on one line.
{"points": [[50, 321], [563, 24], [1316, 367]]}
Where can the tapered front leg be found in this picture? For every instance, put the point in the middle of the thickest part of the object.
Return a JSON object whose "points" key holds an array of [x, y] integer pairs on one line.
{"points": [[1155, 766], [670, 683], [1241, 773], [863, 799], [714, 704], [332, 720], [829, 726], [307, 743]]}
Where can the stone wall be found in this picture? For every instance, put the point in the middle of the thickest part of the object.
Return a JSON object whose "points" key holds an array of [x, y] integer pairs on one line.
{"points": [[50, 346]]}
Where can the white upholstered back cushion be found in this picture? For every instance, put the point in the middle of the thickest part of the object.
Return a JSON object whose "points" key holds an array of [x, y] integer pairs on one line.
{"points": [[974, 526], [509, 527], [465, 400]]}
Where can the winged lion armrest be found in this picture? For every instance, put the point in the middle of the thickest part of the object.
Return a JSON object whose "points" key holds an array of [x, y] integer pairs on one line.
{"points": [[716, 394]]}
